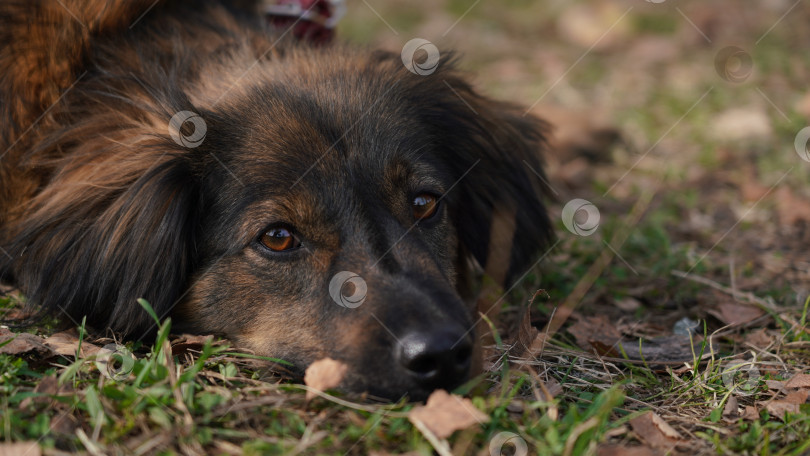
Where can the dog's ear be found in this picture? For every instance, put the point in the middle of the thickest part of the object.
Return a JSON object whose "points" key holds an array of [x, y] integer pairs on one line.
{"points": [[494, 151], [111, 226]]}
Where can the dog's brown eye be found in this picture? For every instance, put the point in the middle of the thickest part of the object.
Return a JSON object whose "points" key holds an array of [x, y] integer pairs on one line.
{"points": [[280, 239], [424, 206]]}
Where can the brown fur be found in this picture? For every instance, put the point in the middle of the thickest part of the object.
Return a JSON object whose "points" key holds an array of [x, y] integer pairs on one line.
{"points": [[100, 206]]}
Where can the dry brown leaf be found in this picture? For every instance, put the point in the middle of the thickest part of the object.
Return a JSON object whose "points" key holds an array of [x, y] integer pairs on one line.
{"points": [[775, 385], [446, 413], [732, 408], [802, 106], [20, 449], [797, 397], [750, 413], [780, 408], [760, 338], [750, 187], [791, 208], [799, 381], [526, 335], [21, 343], [584, 25], [66, 343], [48, 386], [595, 332], [188, 342], [734, 313], [324, 374], [652, 429], [64, 424], [741, 124], [628, 304]]}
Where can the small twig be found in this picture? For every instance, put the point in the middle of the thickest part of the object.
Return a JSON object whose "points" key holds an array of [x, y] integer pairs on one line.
{"points": [[440, 445], [746, 296]]}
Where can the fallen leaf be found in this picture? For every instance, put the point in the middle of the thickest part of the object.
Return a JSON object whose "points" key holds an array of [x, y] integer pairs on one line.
{"points": [[188, 342], [595, 332], [66, 343], [446, 413], [791, 208], [740, 124], [802, 106], [760, 338], [549, 389], [732, 408], [20, 449], [21, 343], [652, 429], [750, 187], [797, 397], [628, 304], [324, 374], [64, 424], [584, 25], [734, 314], [47, 386], [526, 335], [780, 408], [799, 381], [750, 413]]}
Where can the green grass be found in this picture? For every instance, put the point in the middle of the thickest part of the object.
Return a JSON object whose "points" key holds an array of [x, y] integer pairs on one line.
{"points": [[219, 401]]}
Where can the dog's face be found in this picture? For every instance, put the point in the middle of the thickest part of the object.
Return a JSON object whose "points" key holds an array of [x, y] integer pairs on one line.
{"points": [[330, 211], [329, 235], [333, 229]]}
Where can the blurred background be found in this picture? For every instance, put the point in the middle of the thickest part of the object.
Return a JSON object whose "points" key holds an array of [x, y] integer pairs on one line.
{"points": [[699, 106]]}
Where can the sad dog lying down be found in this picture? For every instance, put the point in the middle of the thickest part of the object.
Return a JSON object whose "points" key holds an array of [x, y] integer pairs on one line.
{"points": [[303, 202]]}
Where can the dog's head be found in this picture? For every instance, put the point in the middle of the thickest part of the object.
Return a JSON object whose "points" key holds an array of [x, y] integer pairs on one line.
{"points": [[331, 210]]}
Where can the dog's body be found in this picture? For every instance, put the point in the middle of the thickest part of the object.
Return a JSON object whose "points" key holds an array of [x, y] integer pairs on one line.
{"points": [[312, 161]]}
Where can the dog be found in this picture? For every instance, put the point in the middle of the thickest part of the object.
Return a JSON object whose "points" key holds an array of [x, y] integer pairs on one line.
{"points": [[302, 201]]}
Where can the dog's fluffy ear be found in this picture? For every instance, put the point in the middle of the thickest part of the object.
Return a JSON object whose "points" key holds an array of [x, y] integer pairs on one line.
{"points": [[110, 227], [494, 151]]}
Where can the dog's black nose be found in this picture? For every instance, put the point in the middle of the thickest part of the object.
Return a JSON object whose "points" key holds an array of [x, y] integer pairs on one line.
{"points": [[437, 359]]}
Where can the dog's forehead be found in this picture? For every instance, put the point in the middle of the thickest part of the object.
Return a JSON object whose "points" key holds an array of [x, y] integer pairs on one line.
{"points": [[288, 139], [317, 159]]}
